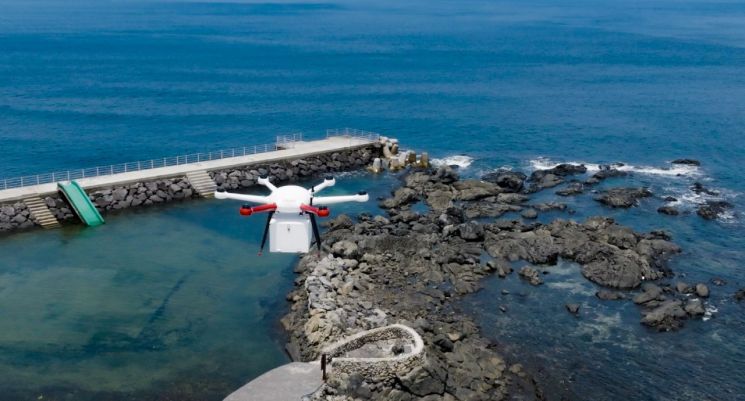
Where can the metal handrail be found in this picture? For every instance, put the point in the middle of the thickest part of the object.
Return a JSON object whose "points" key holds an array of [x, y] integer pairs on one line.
{"points": [[353, 133], [283, 141]]}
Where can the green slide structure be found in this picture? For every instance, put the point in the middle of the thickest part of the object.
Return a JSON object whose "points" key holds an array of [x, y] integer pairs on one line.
{"points": [[81, 203]]}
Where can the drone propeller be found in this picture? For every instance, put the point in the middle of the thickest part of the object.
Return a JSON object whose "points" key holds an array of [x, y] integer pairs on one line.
{"points": [[266, 231]]}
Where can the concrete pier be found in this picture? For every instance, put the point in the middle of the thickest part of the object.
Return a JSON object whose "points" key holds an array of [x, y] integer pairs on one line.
{"points": [[286, 383], [298, 150]]}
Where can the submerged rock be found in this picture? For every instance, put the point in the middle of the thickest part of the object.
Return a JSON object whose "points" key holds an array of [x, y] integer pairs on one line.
{"points": [[529, 214], [699, 188], [574, 188], [713, 209], [608, 295], [668, 210], [690, 162], [572, 308]]}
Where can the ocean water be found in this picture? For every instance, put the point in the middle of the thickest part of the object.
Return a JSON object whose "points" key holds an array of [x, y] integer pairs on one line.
{"points": [[485, 84]]}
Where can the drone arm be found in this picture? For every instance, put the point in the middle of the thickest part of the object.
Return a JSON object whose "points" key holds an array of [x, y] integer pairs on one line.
{"points": [[265, 182], [327, 182], [242, 197], [330, 200]]}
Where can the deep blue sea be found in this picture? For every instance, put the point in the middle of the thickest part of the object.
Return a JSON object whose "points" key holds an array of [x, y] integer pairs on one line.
{"points": [[171, 302]]}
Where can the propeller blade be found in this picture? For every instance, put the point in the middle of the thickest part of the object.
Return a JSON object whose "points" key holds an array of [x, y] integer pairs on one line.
{"points": [[266, 231], [316, 235]]}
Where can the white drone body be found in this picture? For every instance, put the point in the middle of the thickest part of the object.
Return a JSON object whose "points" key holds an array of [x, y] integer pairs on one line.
{"points": [[292, 209]]}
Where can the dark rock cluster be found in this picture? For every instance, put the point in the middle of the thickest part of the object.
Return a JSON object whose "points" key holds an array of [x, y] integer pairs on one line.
{"points": [[412, 268], [142, 193], [15, 216]]}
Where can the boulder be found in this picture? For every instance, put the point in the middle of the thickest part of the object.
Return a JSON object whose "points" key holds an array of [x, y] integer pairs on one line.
{"points": [[401, 196], [605, 173], [470, 190], [471, 231], [699, 188], [650, 292], [702, 290], [339, 222], [694, 307], [620, 269], [683, 288], [531, 275], [574, 188], [510, 181], [572, 308], [545, 181], [529, 214], [119, 194], [345, 249], [690, 162], [622, 197], [713, 209], [668, 210], [501, 266], [665, 317]]}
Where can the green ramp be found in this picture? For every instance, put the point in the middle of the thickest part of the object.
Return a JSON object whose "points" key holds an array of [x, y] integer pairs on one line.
{"points": [[81, 203]]}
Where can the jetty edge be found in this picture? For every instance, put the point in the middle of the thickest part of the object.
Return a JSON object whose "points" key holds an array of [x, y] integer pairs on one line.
{"points": [[24, 204]]}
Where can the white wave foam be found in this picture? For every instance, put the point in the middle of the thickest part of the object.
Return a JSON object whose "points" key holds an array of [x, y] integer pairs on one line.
{"points": [[461, 161], [675, 170], [710, 311]]}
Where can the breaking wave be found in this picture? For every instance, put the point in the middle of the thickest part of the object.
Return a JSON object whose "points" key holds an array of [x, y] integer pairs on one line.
{"points": [[461, 161], [673, 170]]}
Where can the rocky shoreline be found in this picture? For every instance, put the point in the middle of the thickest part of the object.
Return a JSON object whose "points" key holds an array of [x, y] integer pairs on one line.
{"points": [[412, 268]]}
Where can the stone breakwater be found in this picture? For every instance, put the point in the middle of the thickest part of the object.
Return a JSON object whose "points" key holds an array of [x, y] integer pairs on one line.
{"points": [[16, 216], [412, 268], [294, 170]]}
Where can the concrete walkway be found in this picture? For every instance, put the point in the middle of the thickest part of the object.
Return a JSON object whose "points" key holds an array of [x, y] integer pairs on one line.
{"points": [[286, 383], [298, 151]]}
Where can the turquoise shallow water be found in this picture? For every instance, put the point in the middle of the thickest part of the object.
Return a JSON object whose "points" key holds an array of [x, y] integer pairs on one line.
{"points": [[85, 83], [162, 303]]}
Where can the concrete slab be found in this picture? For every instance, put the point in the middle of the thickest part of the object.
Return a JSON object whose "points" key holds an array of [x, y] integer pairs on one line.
{"points": [[298, 151], [286, 383]]}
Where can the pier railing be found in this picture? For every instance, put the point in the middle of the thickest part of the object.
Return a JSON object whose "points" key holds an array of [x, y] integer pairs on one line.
{"points": [[283, 142], [353, 133]]}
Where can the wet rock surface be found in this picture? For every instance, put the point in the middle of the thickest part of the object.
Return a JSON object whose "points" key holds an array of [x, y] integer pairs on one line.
{"points": [[15, 216], [623, 197], [711, 210], [412, 268]]}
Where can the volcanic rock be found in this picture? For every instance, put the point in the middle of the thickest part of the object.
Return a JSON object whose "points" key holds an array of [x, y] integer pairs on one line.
{"points": [[510, 181], [713, 209], [690, 162], [574, 188], [531, 275], [668, 210], [623, 197]]}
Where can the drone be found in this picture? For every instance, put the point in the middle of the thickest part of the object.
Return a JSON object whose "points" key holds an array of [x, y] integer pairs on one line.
{"points": [[292, 209]]}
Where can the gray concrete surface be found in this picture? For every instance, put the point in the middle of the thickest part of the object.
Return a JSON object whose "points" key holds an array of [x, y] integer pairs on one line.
{"points": [[286, 383]]}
